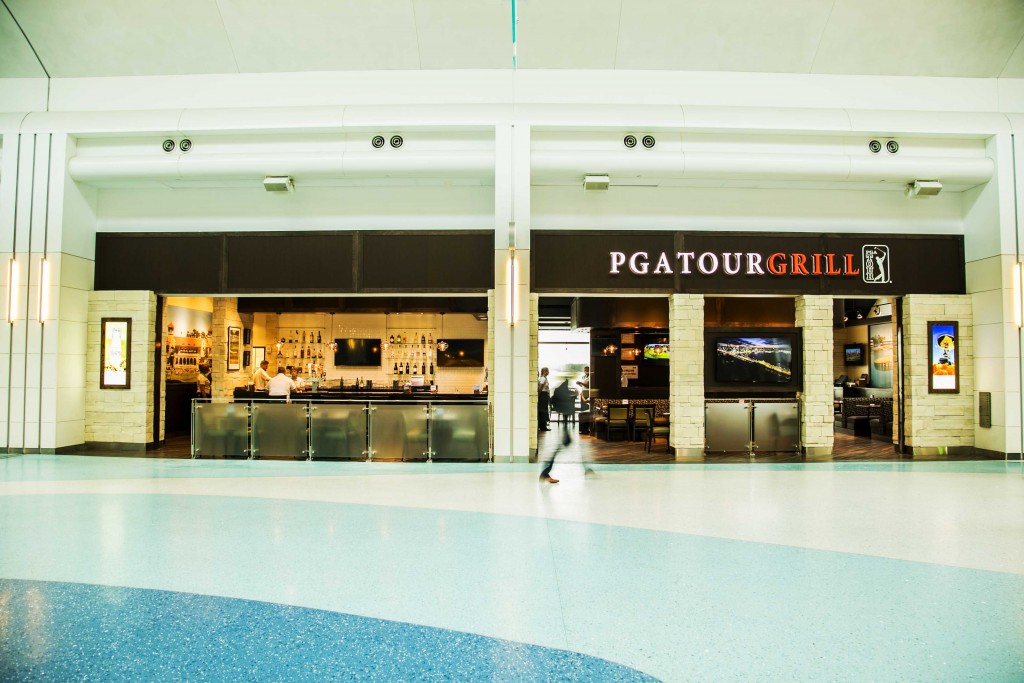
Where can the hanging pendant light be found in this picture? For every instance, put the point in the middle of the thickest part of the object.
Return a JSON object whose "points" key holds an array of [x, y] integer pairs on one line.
{"points": [[442, 345], [332, 344], [384, 343]]}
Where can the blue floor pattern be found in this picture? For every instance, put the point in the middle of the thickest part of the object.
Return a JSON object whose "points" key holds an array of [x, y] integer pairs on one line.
{"points": [[75, 632]]}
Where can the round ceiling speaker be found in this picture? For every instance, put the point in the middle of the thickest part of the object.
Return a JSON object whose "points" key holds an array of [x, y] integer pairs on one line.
{"points": [[168, 145], [648, 141], [377, 141], [875, 146], [892, 147], [396, 141], [185, 145], [629, 141]]}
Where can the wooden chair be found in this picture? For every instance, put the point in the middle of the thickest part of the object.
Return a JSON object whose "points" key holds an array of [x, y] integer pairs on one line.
{"points": [[618, 420], [660, 429], [643, 418]]}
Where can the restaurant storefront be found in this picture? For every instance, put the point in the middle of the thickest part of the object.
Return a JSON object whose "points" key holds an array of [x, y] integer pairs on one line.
{"points": [[751, 321]]}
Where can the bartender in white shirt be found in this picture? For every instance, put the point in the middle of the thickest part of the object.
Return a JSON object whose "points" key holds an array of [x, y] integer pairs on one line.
{"points": [[260, 378], [281, 385], [300, 384]]}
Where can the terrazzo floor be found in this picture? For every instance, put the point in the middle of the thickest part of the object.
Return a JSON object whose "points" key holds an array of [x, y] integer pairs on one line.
{"points": [[179, 570]]}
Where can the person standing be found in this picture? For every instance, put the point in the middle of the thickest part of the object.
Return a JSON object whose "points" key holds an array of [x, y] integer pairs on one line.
{"points": [[260, 378], [543, 398], [584, 385]]}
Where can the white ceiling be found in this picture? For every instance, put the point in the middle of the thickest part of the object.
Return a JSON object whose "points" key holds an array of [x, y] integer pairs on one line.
{"points": [[73, 38]]}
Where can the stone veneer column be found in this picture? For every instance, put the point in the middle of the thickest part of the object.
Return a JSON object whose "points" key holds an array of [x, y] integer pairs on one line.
{"points": [[686, 383], [814, 315], [225, 315], [122, 417], [490, 371], [937, 421]]}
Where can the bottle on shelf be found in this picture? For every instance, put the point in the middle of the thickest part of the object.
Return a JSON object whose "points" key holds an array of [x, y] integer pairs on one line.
{"points": [[394, 370], [318, 338], [303, 336], [302, 353], [407, 367], [391, 339], [309, 351], [430, 339], [423, 340], [415, 370], [431, 368], [399, 370], [423, 368]]}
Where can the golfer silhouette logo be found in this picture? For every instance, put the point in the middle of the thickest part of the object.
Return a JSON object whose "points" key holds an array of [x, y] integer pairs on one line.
{"points": [[875, 259]]}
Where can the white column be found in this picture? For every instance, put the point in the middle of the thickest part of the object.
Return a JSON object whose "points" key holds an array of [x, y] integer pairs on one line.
{"points": [[510, 383]]}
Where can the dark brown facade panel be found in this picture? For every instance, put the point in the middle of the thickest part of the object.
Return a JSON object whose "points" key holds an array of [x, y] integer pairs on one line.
{"points": [[574, 262], [289, 262], [165, 263], [747, 263], [428, 262]]}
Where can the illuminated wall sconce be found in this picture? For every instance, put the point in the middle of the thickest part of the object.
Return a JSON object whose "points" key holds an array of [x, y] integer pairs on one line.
{"points": [[43, 303], [12, 290], [512, 281]]}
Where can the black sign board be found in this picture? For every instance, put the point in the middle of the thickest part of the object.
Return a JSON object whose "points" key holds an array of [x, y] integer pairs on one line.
{"points": [[747, 263]]}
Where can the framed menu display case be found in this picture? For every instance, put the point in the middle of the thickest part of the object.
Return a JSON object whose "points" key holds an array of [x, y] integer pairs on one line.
{"points": [[115, 353], [234, 348]]}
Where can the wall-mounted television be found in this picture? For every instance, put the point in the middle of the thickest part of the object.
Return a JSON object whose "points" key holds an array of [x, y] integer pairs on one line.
{"points": [[655, 348], [360, 352], [853, 354], [461, 353], [753, 359]]}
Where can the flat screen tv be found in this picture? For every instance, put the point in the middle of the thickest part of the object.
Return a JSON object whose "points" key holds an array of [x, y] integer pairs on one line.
{"points": [[461, 353], [365, 352], [656, 350], [753, 360], [853, 354]]}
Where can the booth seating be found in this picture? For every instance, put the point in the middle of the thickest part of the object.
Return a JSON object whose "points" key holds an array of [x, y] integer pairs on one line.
{"points": [[856, 414]]}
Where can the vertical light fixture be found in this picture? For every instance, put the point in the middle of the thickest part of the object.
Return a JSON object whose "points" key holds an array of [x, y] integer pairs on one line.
{"points": [[512, 281], [43, 304], [1018, 314], [12, 293]]}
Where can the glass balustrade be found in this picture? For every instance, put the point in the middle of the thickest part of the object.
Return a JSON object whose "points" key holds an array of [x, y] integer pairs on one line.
{"points": [[399, 431], [338, 431], [220, 430]]}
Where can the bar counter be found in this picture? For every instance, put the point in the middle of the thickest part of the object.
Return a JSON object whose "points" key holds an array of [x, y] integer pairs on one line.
{"points": [[383, 424]]}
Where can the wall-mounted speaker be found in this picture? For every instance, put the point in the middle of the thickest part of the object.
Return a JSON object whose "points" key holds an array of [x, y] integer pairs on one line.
{"points": [[246, 335], [892, 147], [246, 358], [396, 141], [377, 141], [168, 145], [185, 145], [648, 141], [629, 141], [875, 146]]}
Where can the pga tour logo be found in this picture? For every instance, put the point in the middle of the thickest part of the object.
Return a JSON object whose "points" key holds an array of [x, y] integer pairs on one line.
{"points": [[875, 259]]}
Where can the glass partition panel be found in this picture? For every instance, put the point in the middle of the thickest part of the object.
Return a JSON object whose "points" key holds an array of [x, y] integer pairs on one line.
{"points": [[220, 430], [727, 426], [776, 427], [279, 430], [338, 430], [398, 431], [459, 432]]}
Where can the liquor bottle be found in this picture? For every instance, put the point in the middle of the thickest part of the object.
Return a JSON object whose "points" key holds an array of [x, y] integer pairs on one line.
{"points": [[391, 339], [290, 340], [318, 339], [398, 339], [302, 353], [394, 370], [423, 368], [415, 370], [399, 370], [423, 340], [407, 367], [309, 351], [303, 336], [430, 339], [311, 336], [431, 368]]}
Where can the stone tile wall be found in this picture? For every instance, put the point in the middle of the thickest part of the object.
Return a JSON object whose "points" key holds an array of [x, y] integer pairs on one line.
{"points": [[814, 315], [686, 392]]}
